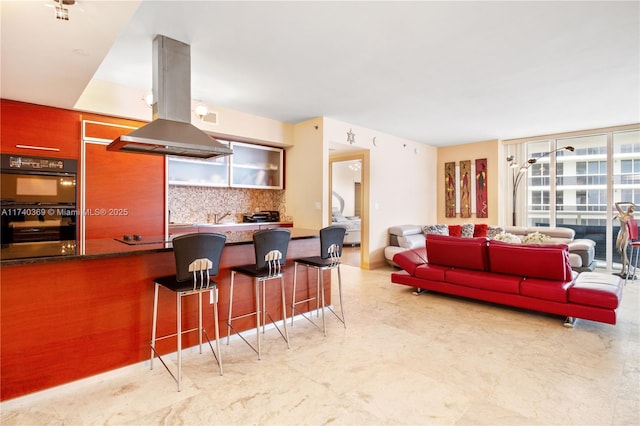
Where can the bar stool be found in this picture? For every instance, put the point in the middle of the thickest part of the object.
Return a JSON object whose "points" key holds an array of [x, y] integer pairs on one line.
{"points": [[197, 258], [331, 242], [270, 247]]}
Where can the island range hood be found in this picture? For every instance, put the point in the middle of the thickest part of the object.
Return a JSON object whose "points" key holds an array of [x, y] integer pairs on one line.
{"points": [[171, 131]]}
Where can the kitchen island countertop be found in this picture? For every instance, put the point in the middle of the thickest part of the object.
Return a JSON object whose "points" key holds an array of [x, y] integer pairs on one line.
{"points": [[114, 247]]}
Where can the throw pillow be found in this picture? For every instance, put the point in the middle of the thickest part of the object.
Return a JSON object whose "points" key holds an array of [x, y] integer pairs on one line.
{"points": [[536, 238], [480, 230], [507, 238], [436, 229], [403, 230], [412, 241], [455, 230], [467, 230], [493, 230]]}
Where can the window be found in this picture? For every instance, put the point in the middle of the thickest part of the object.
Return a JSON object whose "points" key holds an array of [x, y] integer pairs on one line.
{"points": [[559, 200], [597, 200], [581, 200], [591, 172], [579, 188], [540, 200], [626, 165]]}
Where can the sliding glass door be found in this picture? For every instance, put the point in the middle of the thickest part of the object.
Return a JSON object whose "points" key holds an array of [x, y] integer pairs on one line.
{"points": [[579, 188], [581, 185]]}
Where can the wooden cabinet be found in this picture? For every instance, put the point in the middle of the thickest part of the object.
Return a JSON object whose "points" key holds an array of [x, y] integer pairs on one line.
{"points": [[38, 130], [255, 166], [250, 166], [123, 192]]}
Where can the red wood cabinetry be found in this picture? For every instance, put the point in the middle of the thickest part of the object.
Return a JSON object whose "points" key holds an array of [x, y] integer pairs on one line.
{"points": [[124, 192], [38, 130]]}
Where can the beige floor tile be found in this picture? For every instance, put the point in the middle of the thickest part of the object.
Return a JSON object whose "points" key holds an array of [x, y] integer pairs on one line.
{"points": [[403, 359]]}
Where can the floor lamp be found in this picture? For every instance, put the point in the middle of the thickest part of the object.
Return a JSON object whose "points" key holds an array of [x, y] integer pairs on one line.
{"points": [[518, 171]]}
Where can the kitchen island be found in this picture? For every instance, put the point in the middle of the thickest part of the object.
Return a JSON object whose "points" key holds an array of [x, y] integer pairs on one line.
{"points": [[71, 317]]}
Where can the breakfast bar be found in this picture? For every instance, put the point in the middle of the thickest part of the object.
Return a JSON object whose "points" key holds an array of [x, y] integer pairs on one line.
{"points": [[71, 317]]}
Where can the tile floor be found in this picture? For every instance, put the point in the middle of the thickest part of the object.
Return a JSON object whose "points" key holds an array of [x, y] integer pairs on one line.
{"points": [[403, 359]]}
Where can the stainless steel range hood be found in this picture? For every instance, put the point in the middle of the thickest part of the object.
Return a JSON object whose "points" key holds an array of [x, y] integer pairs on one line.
{"points": [[171, 131]]}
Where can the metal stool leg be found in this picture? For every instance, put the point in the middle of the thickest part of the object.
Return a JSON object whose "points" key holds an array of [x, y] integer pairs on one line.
{"points": [[155, 321], [341, 316], [217, 326], [340, 295], [320, 288], [257, 287], [200, 328], [284, 312], [179, 336], [233, 275], [293, 296]]}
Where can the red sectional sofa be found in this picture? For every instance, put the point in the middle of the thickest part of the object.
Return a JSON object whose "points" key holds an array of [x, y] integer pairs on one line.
{"points": [[529, 276]]}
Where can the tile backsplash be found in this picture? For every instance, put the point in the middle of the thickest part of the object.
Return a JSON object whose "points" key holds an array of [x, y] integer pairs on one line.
{"points": [[195, 204]]}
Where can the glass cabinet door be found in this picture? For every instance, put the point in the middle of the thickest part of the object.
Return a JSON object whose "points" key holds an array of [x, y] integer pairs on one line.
{"points": [[211, 172], [255, 166]]}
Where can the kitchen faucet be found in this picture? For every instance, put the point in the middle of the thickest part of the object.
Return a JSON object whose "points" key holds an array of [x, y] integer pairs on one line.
{"points": [[217, 218]]}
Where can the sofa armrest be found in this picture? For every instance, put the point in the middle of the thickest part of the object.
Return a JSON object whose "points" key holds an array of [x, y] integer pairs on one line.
{"points": [[582, 244], [409, 260]]}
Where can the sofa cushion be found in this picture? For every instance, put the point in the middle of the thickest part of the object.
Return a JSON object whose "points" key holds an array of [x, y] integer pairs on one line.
{"points": [[507, 237], [582, 244], [545, 289], [436, 229], [520, 231], [558, 235], [596, 289], [455, 230], [390, 251], [431, 272], [412, 241], [484, 280], [468, 253], [404, 230], [549, 262], [480, 230], [536, 238], [410, 259], [493, 230], [467, 230]]}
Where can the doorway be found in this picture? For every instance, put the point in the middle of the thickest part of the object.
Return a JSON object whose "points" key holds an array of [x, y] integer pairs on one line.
{"points": [[347, 204]]}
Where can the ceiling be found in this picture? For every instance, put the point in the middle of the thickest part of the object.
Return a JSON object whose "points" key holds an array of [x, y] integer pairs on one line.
{"points": [[441, 73]]}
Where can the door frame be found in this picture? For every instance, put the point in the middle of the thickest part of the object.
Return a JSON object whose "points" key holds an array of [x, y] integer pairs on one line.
{"points": [[363, 156]]}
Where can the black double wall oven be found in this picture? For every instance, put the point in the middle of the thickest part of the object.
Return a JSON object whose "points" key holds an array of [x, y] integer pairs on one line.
{"points": [[38, 201]]}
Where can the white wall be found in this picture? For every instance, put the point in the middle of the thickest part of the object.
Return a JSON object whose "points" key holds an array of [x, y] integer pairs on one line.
{"points": [[401, 176]]}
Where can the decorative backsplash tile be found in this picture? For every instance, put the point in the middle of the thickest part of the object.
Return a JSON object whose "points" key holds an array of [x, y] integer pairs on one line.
{"points": [[195, 204]]}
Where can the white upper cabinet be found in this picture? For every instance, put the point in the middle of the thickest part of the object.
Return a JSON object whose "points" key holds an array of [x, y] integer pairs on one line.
{"points": [[199, 172], [250, 166], [255, 166]]}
